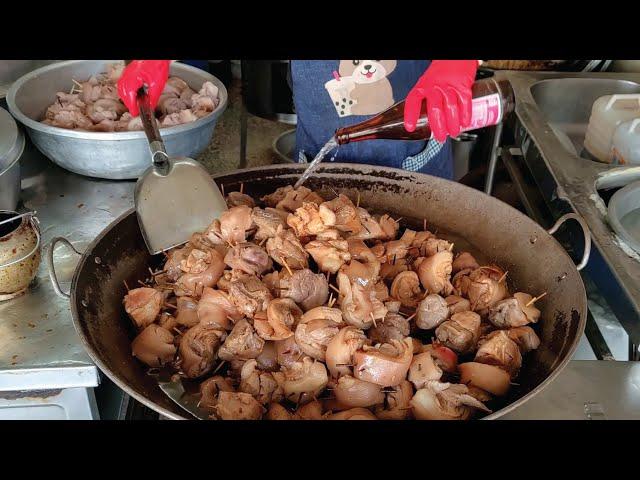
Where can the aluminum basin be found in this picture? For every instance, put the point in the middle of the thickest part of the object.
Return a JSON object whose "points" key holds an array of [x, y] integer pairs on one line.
{"points": [[112, 155]]}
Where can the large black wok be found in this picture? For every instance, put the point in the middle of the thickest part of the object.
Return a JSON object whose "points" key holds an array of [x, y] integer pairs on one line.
{"points": [[536, 263]]}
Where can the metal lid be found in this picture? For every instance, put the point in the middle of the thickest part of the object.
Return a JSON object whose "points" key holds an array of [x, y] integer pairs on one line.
{"points": [[10, 139]]}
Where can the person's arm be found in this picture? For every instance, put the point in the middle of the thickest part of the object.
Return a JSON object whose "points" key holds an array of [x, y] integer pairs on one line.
{"points": [[446, 87], [137, 73]]}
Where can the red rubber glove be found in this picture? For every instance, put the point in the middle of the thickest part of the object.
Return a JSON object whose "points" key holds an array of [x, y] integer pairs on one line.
{"points": [[446, 86], [150, 73]]}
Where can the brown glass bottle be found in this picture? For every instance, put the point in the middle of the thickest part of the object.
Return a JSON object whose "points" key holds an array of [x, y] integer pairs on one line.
{"points": [[492, 99]]}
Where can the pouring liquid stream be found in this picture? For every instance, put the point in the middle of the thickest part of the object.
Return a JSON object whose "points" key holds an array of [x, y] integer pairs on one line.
{"points": [[330, 145]]}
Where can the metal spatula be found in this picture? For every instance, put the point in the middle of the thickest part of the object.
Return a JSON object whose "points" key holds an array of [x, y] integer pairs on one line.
{"points": [[175, 391], [175, 197]]}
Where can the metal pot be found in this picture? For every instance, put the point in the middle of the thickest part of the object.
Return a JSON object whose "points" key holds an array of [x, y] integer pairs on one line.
{"points": [[284, 146], [535, 260], [12, 143], [10, 186], [20, 243], [113, 155]]}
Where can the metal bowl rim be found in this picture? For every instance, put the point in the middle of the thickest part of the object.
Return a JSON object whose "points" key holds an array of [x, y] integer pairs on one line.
{"points": [[274, 147], [63, 132]]}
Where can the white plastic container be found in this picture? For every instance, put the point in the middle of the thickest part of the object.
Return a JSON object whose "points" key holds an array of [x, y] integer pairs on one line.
{"points": [[606, 114], [625, 146]]}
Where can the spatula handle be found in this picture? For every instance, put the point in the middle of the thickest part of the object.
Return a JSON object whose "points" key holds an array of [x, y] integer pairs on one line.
{"points": [[158, 152]]}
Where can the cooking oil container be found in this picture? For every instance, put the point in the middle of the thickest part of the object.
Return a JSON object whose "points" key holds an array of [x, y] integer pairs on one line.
{"points": [[606, 114], [625, 146]]}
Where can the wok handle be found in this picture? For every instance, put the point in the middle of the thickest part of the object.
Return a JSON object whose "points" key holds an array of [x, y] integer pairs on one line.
{"points": [[159, 154], [52, 268], [585, 231]]}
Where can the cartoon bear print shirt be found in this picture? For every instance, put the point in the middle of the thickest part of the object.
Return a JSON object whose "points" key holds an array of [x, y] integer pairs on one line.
{"points": [[330, 94]]}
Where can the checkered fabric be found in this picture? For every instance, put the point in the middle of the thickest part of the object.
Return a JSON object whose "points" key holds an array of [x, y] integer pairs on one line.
{"points": [[419, 161]]}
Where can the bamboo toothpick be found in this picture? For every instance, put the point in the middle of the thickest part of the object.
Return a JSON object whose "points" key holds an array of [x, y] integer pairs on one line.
{"points": [[374, 320], [332, 301], [219, 366], [334, 288], [126, 286], [284, 263], [411, 317], [502, 278], [424, 224], [223, 239], [241, 187], [222, 188], [358, 200], [535, 299]]}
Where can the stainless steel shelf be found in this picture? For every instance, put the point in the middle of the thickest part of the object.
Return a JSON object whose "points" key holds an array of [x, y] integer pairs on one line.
{"points": [[552, 113]]}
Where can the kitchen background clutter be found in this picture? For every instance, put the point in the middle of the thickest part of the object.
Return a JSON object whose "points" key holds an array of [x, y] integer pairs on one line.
{"points": [[533, 161]]}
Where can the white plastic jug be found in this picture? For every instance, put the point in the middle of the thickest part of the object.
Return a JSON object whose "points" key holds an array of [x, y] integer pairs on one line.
{"points": [[606, 114], [625, 146]]}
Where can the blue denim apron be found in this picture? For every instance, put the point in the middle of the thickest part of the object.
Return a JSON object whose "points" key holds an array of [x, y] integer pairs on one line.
{"points": [[320, 114]]}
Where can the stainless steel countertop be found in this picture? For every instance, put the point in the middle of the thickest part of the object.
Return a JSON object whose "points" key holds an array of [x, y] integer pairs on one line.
{"points": [[587, 390], [39, 347]]}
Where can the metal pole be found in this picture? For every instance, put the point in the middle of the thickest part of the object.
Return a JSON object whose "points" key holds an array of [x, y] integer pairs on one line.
{"points": [[243, 135], [596, 340], [493, 160], [243, 123]]}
